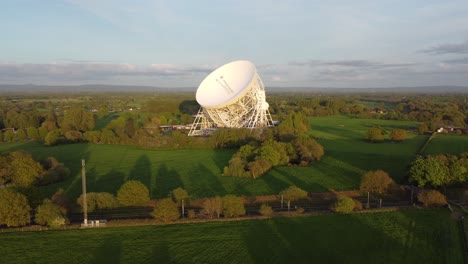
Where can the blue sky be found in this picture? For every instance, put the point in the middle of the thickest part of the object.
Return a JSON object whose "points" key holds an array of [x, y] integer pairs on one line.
{"points": [[177, 43]]}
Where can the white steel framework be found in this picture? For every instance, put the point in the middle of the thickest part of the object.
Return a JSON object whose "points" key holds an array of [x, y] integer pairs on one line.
{"points": [[249, 110]]}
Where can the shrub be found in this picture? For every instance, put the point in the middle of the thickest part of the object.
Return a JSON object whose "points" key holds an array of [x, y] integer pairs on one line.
{"points": [[300, 210], [432, 198], [191, 214], [357, 205], [53, 175], [166, 211], [266, 210], [73, 136], [51, 214], [233, 206], [213, 206], [344, 205]]}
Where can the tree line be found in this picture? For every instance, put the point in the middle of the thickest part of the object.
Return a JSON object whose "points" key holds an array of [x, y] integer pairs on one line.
{"points": [[286, 144], [441, 170], [15, 208], [20, 169], [135, 119]]}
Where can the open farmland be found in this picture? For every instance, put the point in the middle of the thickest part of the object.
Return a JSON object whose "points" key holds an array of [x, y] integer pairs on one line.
{"points": [[346, 148], [347, 156], [412, 236], [447, 144]]}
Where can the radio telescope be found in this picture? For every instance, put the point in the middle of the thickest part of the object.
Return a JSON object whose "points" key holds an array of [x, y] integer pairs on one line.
{"points": [[232, 96]]}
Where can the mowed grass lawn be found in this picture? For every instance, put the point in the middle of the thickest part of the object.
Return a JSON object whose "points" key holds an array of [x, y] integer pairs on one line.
{"points": [[413, 236], [448, 144], [199, 171]]}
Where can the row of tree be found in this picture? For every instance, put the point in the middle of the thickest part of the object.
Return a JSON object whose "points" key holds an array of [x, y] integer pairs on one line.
{"points": [[377, 134], [253, 160], [15, 209], [20, 169], [286, 144], [439, 170]]}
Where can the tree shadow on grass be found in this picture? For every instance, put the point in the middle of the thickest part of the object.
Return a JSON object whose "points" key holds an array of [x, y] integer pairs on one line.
{"points": [[205, 184], [324, 239], [109, 182], [341, 133], [160, 253], [275, 179], [142, 172], [221, 157], [165, 181], [107, 252]]}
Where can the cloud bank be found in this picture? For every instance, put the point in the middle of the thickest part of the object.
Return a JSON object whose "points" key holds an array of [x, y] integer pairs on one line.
{"points": [[312, 73]]}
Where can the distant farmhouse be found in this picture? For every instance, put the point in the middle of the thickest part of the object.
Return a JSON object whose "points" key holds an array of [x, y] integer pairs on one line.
{"points": [[453, 130]]}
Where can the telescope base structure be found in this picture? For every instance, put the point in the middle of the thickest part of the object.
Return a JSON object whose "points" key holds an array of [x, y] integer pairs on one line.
{"points": [[202, 125]]}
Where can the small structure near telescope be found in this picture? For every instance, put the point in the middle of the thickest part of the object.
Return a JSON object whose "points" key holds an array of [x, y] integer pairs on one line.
{"points": [[232, 96]]}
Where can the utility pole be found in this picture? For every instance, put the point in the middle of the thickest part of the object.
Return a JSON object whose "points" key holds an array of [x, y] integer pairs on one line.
{"points": [[83, 181], [368, 204]]}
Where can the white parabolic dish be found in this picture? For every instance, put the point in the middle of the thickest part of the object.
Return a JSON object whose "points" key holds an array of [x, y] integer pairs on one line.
{"points": [[226, 84]]}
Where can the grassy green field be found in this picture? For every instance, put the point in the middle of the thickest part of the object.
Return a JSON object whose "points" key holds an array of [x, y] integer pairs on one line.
{"points": [[413, 236], [347, 151], [449, 144], [347, 156]]}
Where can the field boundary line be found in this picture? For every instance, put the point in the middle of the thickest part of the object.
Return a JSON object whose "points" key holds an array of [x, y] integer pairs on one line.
{"points": [[423, 147]]}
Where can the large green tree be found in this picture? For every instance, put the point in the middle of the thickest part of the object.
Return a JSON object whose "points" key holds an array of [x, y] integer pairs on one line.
{"points": [[428, 171], [308, 149], [133, 193], [375, 134], [78, 119], [19, 168], [14, 208], [33, 133], [53, 137], [376, 182], [398, 135]]}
